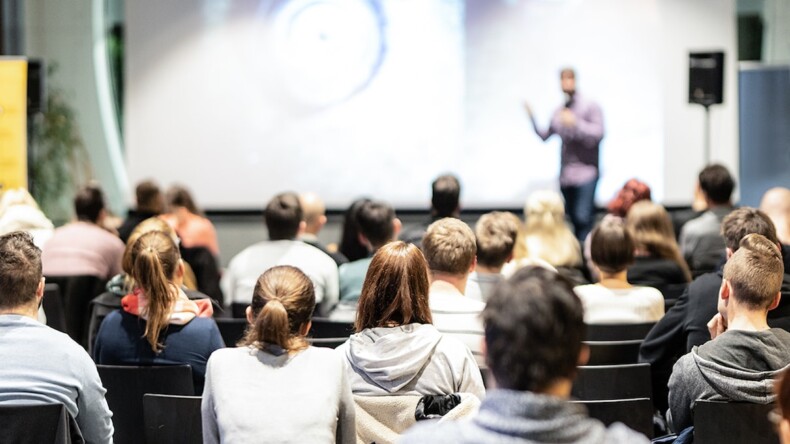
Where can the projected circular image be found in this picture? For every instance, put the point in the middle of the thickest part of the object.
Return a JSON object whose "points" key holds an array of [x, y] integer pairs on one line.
{"points": [[328, 50]]}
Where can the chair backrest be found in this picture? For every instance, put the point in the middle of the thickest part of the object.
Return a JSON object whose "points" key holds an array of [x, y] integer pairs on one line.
{"points": [[618, 332], [637, 414], [77, 292], [53, 307], [126, 386], [50, 423], [171, 418], [231, 329], [606, 382], [326, 342], [613, 352], [326, 328], [717, 421], [98, 309]]}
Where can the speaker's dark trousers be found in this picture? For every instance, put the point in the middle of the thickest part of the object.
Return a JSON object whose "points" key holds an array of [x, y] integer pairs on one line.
{"points": [[580, 206]]}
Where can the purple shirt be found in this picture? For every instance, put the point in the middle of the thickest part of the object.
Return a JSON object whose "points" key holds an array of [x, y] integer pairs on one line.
{"points": [[579, 158]]}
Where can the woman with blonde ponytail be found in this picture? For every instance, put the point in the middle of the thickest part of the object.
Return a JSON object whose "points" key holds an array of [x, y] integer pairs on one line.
{"points": [[158, 323], [274, 387]]}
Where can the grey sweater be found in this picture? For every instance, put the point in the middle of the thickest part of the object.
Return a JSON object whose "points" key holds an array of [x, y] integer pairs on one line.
{"points": [[508, 416], [736, 366], [259, 396], [41, 365]]}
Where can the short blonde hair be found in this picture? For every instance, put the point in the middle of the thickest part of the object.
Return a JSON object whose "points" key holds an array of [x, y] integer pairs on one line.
{"points": [[755, 271], [449, 246], [545, 235], [496, 234]]}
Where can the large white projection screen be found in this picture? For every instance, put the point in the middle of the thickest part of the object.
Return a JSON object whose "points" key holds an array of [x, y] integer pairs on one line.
{"points": [[242, 99]]}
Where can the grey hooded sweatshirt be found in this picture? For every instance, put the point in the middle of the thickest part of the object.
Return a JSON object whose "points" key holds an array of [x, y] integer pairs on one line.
{"points": [[737, 366], [413, 359], [508, 416]]}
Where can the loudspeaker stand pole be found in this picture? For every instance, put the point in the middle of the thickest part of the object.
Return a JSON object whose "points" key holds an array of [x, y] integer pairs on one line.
{"points": [[707, 134]]}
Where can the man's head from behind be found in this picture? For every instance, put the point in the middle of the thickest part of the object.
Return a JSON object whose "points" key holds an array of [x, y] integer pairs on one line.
{"points": [[743, 221], [776, 205], [149, 197], [89, 204], [283, 216], [753, 275], [495, 235], [568, 81], [716, 184], [314, 212], [377, 224], [534, 327], [446, 192], [20, 271], [449, 246]]}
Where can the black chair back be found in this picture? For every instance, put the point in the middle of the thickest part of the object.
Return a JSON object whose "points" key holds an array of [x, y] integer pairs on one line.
{"points": [[170, 418], [239, 310], [231, 329], [606, 382], [717, 421], [53, 307], [204, 265], [326, 328], [126, 386], [33, 424], [327, 342], [637, 414], [98, 309], [77, 292], [618, 332], [613, 352]]}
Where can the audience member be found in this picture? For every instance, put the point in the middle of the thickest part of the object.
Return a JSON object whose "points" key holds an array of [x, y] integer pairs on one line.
{"points": [[283, 216], [534, 330], [84, 247], [350, 245], [613, 300], [685, 324], [745, 355], [450, 250], [39, 364], [269, 388], [445, 202], [158, 323], [700, 239], [782, 418], [193, 228], [632, 192], [776, 205], [314, 214], [657, 259], [396, 350], [20, 212], [378, 226], [547, 237], [122, 284], [495, 236], [150, 203]]}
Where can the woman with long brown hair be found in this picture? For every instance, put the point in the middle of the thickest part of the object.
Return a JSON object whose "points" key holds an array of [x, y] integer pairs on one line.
{"points": [[657, 259], [274, 387], [158, 323], [396, 350]]}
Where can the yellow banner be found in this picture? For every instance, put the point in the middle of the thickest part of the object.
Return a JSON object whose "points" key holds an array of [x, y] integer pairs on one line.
{"points": [[13, 123]]}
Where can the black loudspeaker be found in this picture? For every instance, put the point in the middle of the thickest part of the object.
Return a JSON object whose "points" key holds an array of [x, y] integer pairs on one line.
{"points": [[706, 78], [36, 91]]}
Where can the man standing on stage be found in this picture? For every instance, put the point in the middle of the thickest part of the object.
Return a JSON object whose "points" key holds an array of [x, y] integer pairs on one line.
{"points": [[579, 123]]}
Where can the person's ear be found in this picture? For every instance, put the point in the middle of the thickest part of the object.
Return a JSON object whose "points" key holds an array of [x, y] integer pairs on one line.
{"points": [[729, 253], [305, 328], [321, 220], [397, 226], [775, 302], [364, 242], [725, 291], [474, 265], [40, 291], [509, 257], [302, 227], [248, 312], [180, 269], [584, 355]]}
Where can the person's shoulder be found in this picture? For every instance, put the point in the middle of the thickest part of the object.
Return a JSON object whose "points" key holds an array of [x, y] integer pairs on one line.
{"points": [[649, 292], [620, 433], [704, 283]]}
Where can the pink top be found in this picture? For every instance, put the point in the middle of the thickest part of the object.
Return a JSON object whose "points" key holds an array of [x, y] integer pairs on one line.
{"points": [[194, 230], [82, 248]]}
